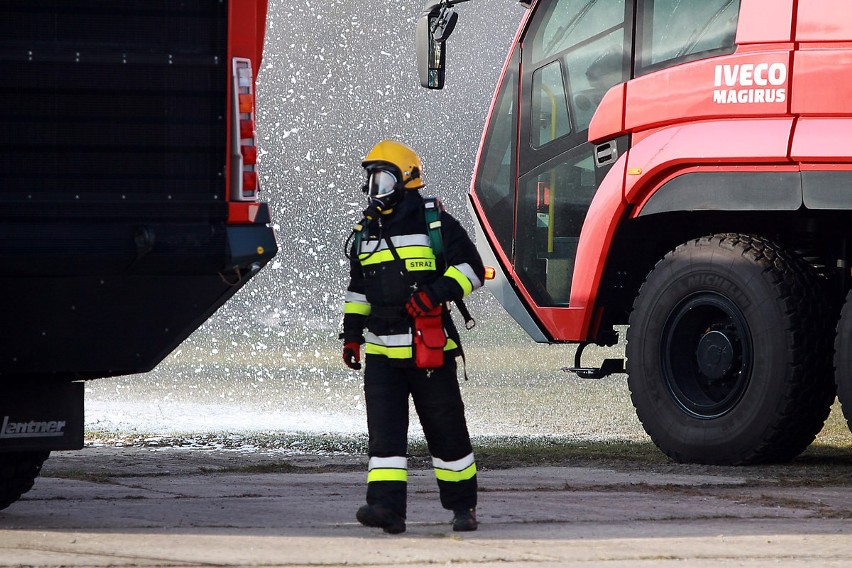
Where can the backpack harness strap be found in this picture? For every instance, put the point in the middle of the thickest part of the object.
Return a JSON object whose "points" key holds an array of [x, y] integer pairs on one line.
{"points": [[432, 213], [433, 224]]}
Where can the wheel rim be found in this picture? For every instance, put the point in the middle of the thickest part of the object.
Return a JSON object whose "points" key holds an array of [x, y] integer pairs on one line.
{"points": [[706, 355]]}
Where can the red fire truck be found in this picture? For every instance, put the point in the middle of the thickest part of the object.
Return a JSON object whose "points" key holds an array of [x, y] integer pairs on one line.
{"points": [[685, 169], [129, 211]]}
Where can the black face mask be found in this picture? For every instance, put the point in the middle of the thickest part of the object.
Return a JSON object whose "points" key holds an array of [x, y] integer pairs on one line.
{"points": [[384, 191]]}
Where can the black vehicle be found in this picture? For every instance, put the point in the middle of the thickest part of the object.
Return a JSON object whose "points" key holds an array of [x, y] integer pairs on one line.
{"points": [[129, 208]]}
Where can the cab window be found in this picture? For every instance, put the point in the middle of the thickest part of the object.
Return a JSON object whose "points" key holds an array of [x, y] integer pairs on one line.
{"points": [[575, 51], [552, 206], [550, 108], [592, 69], [569, 22], [676, 31], [495, 180]]}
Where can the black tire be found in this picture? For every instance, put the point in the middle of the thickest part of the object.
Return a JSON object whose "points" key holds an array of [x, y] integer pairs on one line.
{"points": [[18, 472], [843, 360], [729, 352]]}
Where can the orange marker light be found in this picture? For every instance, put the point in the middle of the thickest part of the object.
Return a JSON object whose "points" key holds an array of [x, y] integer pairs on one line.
{"points": [[490, 273], [246, 103]]}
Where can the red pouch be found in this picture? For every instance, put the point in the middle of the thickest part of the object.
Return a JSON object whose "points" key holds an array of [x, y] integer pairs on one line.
{"points": [[429, 340]]}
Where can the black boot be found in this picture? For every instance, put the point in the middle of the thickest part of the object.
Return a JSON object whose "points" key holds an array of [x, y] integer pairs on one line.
{"points": [[465, 520], [381, 517]]}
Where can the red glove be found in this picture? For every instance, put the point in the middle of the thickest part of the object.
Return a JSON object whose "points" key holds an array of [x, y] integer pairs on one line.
{"points": [[352, 355], [420, 304]]}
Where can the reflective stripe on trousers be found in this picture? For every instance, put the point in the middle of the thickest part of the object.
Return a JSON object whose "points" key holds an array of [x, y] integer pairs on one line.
{"points": [[387, 469], [458, 470]]}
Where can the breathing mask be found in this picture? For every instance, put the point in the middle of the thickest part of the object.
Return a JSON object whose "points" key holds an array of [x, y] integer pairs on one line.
{"points": [[383, 189]]}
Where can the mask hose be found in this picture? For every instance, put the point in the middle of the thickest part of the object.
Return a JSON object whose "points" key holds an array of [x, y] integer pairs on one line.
{"points": [[365, 222]]}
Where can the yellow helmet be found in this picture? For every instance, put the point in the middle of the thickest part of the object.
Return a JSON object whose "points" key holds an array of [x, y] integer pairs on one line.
{"points": [[404, 159]]}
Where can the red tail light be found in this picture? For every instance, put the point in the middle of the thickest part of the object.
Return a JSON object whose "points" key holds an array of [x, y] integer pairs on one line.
{"points": [[250, 181], [249, 155], [246, 130], [244, 182]]}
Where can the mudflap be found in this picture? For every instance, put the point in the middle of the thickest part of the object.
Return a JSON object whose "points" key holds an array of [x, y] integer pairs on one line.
{"points": [[47, 416]]}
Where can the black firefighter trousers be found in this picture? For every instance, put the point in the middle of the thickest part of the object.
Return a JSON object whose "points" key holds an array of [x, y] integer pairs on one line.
{"points": [[439, 405]]}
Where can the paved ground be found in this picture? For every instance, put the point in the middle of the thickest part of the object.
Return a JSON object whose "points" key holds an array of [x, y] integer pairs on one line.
{"points": [[139, 507]]}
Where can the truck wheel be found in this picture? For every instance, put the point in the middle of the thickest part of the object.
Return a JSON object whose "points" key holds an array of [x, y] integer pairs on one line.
{"points": [[18, 472], [729, 352], [843, 360]]}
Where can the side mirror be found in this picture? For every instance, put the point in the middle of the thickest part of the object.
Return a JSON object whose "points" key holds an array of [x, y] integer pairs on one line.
{"points": [[436, 23]]}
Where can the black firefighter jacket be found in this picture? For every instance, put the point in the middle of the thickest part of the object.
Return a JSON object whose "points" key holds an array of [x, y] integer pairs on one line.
{"points": [[380, 285]]}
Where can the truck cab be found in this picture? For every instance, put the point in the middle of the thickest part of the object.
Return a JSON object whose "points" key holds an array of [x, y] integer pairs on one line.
{"points": [[669, 166]]}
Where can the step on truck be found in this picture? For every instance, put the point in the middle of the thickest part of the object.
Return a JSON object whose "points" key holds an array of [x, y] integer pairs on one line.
{"points": [[129, 209], [683, 169]]}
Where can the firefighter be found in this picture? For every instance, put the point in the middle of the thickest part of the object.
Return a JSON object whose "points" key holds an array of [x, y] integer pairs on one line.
{"points": [[398, 284]]}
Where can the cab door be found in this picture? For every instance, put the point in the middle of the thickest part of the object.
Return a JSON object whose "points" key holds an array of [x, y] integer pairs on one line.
{"points": [[571, 54]]}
